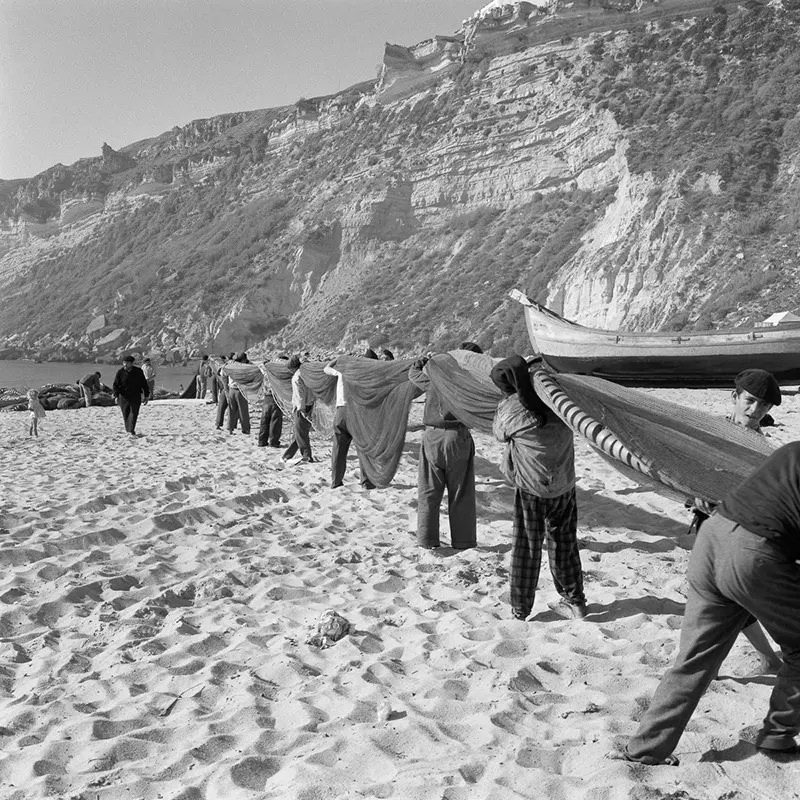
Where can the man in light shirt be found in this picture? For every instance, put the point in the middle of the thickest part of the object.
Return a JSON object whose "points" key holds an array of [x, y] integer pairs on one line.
{"points": [[341, 433]]}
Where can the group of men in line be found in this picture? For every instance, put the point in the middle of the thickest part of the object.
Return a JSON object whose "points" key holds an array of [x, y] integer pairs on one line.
{"points": [[743, 568]]}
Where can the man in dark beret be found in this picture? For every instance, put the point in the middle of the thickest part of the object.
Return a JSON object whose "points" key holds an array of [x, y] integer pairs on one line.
{"points": [[131, 391], [755, 394]]}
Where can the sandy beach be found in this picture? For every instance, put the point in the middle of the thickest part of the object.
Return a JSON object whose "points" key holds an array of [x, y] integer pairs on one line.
{"points": [[156, 595]]}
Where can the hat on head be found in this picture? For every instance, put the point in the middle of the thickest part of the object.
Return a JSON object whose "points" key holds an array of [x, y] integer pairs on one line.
{"points": [[760, 384], [294, 363], [475, 348], [129, 358]]}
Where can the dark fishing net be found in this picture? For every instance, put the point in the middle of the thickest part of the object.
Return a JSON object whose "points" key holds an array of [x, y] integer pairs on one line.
{"points": [[279, 379], [684, 452], [379, 396], [690, 451], [461, 379]]}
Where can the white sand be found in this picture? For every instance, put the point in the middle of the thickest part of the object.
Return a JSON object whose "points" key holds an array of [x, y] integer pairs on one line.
{"points": [[156, 595]]}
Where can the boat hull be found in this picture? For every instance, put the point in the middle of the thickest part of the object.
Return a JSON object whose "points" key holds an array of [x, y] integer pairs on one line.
{"points": [[706, 359]]}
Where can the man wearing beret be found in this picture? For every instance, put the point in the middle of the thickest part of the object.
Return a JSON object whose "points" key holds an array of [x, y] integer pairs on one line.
{"points": [[131, 391], [755, 394]]}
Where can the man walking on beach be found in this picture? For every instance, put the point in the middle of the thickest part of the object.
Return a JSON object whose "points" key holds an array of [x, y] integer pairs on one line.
{"points": [[89, 385], [743, 564], [540, 463], [130, 386]]}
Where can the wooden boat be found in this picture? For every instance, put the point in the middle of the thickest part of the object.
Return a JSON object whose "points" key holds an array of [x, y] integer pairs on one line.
{"points": [[667, 358]]}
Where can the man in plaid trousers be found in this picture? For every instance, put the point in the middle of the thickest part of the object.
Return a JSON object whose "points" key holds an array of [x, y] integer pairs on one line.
{"points": [[540, 463]]}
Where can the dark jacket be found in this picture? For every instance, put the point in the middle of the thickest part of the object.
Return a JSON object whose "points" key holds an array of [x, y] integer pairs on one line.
{"points": [[131, 384]]}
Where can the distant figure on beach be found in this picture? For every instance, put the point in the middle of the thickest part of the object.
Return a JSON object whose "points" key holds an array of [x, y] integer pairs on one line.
{"points": [[743, 565], [130, 391], [755, 393], [271, 425], [386, 355], [341, 433], [149, 375], [238, 407], [204, 372], [540, 463], [302, 406], [446, 461], [36, 412], [222, 383], [215, 383], [90, 384]]}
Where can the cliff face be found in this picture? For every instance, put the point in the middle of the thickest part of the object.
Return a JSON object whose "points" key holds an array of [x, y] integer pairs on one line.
{"points": [[635, 165]]}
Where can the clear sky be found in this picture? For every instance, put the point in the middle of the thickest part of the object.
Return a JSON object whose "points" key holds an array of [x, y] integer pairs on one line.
{"points": [[77, 73]]}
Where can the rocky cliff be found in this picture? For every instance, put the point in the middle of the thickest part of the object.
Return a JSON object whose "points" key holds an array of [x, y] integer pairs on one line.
{"points": [[634, 164]]}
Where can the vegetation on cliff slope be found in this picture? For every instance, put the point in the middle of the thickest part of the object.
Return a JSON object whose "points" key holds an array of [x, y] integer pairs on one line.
{"points": [[714, 98]]}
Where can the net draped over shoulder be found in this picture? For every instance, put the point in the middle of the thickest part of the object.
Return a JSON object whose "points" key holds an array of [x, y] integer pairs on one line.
{"points": [[683, 452], [248, 377], [379, 396]]}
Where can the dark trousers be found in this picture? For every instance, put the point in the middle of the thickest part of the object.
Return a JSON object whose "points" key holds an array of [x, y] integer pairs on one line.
{"points": [[269, 431], [238, 410], [341, 445], [130, 412], [301, 440], [732, 573], [215, 389], [446, 461], [537, 520], [222, 407]]}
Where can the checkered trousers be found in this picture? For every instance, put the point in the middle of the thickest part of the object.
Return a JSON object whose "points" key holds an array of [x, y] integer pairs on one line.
{"points": [[545, 519]]}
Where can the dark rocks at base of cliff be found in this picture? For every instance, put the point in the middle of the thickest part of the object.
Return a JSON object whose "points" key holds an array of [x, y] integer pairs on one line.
{"points": [[62, 396]]}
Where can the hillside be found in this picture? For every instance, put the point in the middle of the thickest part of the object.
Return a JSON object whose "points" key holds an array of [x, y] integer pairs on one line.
{"points": [[634, 165]]}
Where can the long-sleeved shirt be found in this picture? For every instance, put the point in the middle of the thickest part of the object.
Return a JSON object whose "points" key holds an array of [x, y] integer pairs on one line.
{"points": [[302, 396], [131, 384], [341, 400], [433, 414], [540, 460]]}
